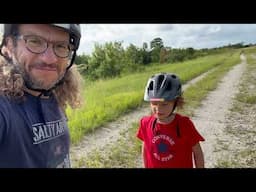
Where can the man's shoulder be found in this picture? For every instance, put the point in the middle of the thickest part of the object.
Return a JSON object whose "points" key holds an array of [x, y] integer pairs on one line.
{"points": [[4, 100], [5, 103], [4, 106]]}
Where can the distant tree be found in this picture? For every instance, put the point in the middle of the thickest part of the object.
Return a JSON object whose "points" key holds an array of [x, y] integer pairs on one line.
{"points": [[145, 46], [82, 59], [133, 54], [164, 54], [156, 45], [106, 60], [145, 54], [189, 53]]}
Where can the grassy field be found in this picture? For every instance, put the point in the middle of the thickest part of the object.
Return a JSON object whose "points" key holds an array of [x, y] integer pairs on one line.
{"points": [[107, 99]]}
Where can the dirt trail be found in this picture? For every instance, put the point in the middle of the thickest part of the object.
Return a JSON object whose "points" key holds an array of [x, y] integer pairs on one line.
{"points": [[111, 132], [210, 119]]}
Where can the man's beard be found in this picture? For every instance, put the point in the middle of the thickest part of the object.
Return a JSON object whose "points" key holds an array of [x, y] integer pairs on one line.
{"points": [[30, 81]]}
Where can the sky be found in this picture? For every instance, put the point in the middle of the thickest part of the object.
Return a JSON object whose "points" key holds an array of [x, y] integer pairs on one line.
{"points": [[196, 36]]}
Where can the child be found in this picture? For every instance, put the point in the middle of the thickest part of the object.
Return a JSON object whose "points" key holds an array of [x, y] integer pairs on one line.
{"points": [[170, 140]]}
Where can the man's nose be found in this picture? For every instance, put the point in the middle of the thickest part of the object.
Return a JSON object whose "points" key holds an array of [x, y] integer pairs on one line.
{"points": [[49, 56]]}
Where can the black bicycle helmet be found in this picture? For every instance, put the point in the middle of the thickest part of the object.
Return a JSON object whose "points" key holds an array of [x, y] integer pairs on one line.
{"points": [[73, 29], [163, 87]]}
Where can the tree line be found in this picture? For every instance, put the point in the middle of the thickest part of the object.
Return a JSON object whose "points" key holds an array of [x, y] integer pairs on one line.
{"points": [[112, 59]]}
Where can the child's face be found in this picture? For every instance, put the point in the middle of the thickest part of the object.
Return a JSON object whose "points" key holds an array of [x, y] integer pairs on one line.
{"points": [[161, 109]]}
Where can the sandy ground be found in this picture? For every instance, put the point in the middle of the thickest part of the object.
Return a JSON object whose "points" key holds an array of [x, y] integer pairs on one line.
{"points": [[209, 119]]}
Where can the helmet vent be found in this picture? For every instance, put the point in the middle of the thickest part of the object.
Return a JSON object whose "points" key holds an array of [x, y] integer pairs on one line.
{"points": [[174, 76], [150, 87], [160, 81], [169, 86]]}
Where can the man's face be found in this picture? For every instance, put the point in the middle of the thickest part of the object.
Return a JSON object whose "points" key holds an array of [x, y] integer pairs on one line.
{"points": [[40, 70]]}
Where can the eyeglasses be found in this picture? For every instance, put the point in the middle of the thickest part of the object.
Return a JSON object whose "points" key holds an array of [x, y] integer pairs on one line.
{"points": [[38, 45]]}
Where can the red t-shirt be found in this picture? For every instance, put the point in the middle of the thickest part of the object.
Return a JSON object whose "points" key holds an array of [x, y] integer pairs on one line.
{"points": [[164, 147]]}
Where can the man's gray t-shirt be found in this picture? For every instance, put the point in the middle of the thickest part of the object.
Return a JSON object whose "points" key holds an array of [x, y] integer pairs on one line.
{"points": [[33, 134]]}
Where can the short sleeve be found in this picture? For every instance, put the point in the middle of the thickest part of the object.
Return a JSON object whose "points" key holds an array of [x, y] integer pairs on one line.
{"points": [[195, 135], [140, 134], [191, 131]]}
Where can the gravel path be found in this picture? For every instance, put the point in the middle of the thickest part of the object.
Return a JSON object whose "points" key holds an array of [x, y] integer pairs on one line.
{"points": [[210, 118]]}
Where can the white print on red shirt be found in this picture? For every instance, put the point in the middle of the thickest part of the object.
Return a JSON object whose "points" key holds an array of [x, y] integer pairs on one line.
{"points": [[162, 145]]}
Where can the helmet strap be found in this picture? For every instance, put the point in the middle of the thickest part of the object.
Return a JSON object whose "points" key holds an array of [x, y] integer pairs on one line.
{"points": [[174, 106], [43, 92], [177, 126], [72, 60]]}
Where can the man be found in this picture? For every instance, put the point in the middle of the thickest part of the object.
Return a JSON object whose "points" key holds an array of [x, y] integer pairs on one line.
{"points": [[37, 81]]}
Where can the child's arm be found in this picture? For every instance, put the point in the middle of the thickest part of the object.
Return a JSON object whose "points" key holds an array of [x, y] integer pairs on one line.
{"points": [[198, 156], [142, 155]]}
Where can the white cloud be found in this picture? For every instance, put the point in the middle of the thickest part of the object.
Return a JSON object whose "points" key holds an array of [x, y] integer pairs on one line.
{"points": [[173, 35]]}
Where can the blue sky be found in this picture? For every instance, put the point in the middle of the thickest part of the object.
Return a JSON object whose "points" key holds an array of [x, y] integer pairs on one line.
{"points": [[173, 35]]}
